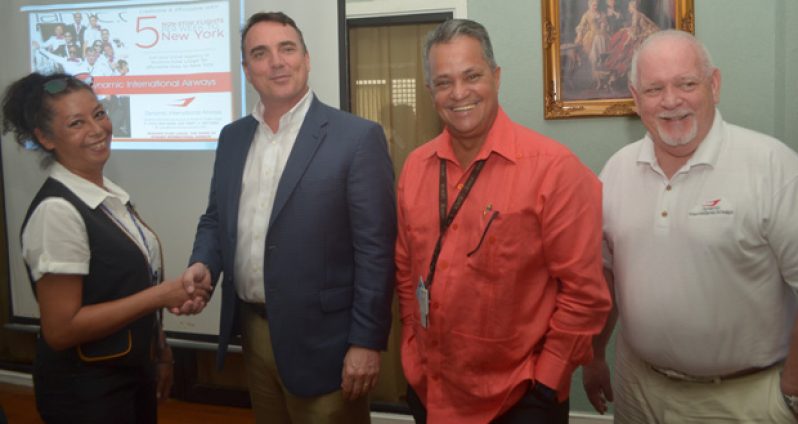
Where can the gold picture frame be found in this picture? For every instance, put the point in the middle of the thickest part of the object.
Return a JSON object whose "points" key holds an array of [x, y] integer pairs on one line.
{"points": [[587, 47]]}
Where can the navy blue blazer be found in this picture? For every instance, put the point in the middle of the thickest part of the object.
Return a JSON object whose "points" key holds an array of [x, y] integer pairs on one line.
{"points": [[328, 266]]}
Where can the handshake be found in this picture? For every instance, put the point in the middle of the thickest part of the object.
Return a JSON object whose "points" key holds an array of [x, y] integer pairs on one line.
{"points": [[189, 293]]}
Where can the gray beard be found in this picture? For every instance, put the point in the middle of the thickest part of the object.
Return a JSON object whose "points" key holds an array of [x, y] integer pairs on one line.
{"points": [[682, 140]]}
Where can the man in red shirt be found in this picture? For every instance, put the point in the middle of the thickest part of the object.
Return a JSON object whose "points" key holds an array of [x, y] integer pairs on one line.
{"points": [[500, 309]]}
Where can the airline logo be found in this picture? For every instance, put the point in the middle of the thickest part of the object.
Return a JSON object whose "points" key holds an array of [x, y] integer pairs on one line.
{"points": [[183, 102], [712, 206]]}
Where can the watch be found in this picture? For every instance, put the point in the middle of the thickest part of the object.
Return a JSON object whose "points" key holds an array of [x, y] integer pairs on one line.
{"points": [[792, 402]]}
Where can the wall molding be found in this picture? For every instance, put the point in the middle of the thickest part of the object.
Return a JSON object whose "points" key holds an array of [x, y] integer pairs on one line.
{"points": [[16, 378]]}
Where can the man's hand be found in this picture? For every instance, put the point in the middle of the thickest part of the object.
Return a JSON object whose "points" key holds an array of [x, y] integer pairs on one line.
{"points": [[596, 381], [360, 373], [196, 280], [789, 375]]}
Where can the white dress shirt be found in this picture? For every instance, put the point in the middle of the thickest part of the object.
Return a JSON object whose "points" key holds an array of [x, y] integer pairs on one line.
{"points": [[91, 35], [53, 43], [264, 166], [101, 68]]}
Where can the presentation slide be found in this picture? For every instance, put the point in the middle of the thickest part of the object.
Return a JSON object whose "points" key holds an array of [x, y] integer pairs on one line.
{"points": [[162, 71]]}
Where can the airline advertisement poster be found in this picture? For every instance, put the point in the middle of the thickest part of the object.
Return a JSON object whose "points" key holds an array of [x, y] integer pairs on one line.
{"points": [[161, 71]]}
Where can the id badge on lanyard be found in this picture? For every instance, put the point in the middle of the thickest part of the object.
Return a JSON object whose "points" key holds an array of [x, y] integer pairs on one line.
{"points": [[423, 288], [422, 296]]}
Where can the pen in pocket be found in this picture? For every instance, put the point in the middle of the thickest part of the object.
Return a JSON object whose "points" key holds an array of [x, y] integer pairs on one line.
{"points": [[485, 231]]}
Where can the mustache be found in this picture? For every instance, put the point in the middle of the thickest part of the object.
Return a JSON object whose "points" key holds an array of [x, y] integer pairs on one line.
{"points": [[678, 113]]}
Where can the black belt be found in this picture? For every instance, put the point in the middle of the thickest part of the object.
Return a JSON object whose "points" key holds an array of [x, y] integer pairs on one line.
{"points": [[258, 308]]}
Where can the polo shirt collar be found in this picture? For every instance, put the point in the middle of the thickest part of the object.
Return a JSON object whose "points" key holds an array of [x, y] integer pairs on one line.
{"points": [[706, 153], [500, 140], [88, 192]]}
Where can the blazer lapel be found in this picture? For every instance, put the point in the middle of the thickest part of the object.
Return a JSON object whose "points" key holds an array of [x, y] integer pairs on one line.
{"points": [[237, 161], [307, 143]]}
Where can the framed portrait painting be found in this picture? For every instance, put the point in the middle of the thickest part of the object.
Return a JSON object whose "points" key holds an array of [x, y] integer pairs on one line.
{"points": [[588, 47]]}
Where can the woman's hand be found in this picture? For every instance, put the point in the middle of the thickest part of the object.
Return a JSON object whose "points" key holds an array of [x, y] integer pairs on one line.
{"points": [[164, 374]]}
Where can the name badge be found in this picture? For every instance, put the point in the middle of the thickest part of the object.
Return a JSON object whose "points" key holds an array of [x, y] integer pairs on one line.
{"points": [[422, 295]]}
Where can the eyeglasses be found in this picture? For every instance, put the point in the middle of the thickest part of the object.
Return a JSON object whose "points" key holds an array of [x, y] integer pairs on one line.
{"points": [[58, 85]]}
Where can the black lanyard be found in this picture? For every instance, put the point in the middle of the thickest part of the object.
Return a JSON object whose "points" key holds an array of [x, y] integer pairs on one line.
{"points": [[446, 219]]}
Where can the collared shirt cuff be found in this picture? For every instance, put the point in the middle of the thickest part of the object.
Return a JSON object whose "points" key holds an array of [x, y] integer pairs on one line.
{"points": [[554, 373]]}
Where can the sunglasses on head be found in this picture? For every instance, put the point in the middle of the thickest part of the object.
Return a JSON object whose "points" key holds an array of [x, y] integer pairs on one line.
{"points": [[58, 85]]}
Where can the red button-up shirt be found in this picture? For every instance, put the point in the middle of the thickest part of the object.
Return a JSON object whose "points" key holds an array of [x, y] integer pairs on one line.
{"points": [[525, 304]]}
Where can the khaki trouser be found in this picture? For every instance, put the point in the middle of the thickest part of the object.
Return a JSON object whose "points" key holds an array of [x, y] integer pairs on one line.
{"points": [[271, 402], [643, 396]]}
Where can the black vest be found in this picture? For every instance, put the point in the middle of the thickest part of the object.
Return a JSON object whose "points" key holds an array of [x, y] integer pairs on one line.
{"points": [[117, 269]]}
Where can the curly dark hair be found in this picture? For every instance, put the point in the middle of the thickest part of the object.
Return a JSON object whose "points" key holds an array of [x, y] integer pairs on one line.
{"points": [[27, 104]]}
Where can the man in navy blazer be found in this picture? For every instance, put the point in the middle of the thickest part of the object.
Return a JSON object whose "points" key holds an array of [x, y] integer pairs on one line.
{"points": [[301, 223]]}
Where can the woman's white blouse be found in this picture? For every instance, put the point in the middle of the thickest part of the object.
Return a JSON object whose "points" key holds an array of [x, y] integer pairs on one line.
{"points": [[55, 240]]}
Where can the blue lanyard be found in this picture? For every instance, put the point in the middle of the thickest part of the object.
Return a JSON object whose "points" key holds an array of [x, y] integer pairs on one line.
{"points": [[152, 273]]}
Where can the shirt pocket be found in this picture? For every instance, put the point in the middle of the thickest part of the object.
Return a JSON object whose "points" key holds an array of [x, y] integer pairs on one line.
{"points": [[321, 185], [115, 346], [497, 244]]}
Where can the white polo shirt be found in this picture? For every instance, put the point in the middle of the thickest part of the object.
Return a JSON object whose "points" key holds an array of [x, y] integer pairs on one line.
{"points": [[705, 264]]}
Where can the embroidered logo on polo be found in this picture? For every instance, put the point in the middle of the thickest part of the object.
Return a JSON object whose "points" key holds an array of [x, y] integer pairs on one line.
{"points": [[717, 206]]}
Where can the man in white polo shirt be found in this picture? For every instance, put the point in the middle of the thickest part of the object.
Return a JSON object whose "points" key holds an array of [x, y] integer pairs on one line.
{"points": [[701, 246]]}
